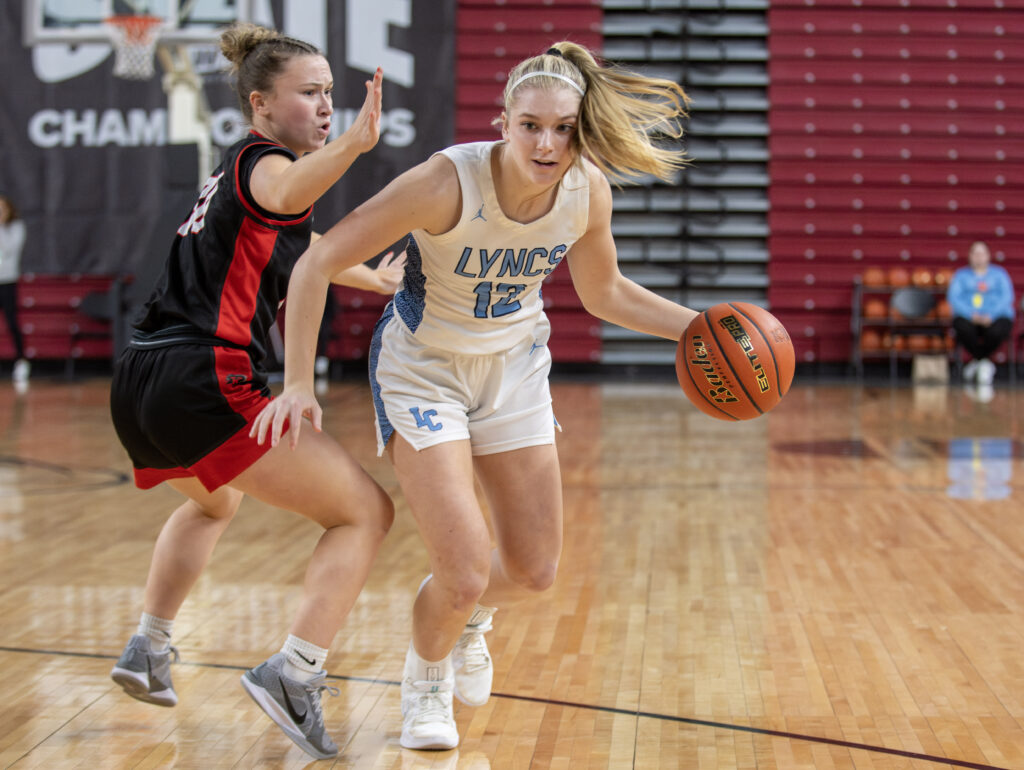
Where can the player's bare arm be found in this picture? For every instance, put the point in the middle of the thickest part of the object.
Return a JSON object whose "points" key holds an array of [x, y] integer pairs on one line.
{"points": [[601, 286], [425, 197]]}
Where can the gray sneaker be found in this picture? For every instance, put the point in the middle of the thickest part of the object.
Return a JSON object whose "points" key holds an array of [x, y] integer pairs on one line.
{"points": [[293, 705], [144, 674]]}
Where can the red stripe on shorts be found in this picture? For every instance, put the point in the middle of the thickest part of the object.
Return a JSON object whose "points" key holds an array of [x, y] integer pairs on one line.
{"points": [[147, 478], [234, 370]]}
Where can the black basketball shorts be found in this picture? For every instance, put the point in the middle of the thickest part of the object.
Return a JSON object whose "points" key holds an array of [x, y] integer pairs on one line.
{"points": [[184, 410]]}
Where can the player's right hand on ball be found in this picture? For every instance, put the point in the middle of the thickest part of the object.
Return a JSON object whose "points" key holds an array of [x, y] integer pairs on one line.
{"points": [[286, 412]]}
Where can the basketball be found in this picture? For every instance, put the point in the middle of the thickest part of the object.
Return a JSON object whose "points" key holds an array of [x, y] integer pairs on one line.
{"points": [[874, 276], [735, 361], [899, 276]]}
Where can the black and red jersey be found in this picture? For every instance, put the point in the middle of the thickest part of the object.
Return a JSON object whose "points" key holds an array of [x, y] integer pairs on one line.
{"points": [[229, 265]]}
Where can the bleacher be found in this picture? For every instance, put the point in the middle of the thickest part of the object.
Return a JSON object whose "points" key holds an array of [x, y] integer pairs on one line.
{"points": [[56, 322], [891, 127], [703, 239]]}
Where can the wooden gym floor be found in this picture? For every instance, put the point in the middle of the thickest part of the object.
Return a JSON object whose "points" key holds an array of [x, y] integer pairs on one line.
{"points": [[839, 584]]}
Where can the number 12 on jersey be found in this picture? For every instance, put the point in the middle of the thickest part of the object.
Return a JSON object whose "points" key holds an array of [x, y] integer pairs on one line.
{"points": [[495, 301]]}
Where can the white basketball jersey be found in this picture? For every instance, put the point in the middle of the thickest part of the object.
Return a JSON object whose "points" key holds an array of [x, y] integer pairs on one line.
{"points": [[477, 288]]}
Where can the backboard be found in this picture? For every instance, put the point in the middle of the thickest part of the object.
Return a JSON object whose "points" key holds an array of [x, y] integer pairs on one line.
{"points": [[82, 21]]}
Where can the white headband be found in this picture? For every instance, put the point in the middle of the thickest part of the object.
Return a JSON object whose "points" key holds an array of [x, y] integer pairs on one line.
{"points": [[570, 81]]}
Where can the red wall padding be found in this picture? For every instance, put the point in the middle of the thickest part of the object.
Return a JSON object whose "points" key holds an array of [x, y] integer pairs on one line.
{"points": [[492, 36], [897, 138]]}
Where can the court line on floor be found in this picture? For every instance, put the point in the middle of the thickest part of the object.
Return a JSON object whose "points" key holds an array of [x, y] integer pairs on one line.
{"points": [[589, 707], [74, 479]]}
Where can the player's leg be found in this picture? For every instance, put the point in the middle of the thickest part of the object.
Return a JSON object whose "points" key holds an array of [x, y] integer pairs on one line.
{"points": [[320, 480], [523, 487], [181, 552], [185, 544], [513, 434], [438, 485], [524, 492]]}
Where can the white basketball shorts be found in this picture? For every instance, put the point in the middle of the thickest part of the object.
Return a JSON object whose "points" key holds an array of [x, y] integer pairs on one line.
{"points": [[499, 402]]}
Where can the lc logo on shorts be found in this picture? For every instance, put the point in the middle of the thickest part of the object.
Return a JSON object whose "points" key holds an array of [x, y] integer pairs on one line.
{"points": [[424, 420]]}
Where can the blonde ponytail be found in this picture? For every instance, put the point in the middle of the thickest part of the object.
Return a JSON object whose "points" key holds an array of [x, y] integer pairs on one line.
{"points": [[619, 111]]}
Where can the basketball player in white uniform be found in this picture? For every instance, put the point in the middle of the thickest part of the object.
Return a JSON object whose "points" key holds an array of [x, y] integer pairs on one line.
{"points": [[459, 366], [451, 320]]}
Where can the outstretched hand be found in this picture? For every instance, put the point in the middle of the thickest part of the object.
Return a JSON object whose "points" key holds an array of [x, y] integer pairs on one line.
{"points": [[390, 271], [365, 129], [285, 413]]}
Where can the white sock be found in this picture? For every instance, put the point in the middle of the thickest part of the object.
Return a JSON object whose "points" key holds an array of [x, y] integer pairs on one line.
{"points": [[303, 660], [481, 615], [421, 670], [157, 629]]}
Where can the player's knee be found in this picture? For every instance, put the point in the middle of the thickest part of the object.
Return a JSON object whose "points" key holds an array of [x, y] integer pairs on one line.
{"points": [[536, 575], [220, 506], [369, 510], [469, 593], [464, 587], [384, 514]]}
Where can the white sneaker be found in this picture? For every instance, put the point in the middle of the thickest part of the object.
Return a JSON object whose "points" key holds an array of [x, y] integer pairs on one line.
{"points": [[986, 372], [428, 721], [21, 369], [471, 660], [970, 369]]}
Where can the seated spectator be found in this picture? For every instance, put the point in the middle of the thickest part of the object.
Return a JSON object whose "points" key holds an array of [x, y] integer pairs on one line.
{"points": [[981, 296]]}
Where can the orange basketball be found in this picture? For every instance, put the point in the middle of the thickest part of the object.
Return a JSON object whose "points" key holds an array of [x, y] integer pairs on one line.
{"points": [[922, 276], [874, 276], [870, 339], [899, 276], [735, 361], [875, 308]]}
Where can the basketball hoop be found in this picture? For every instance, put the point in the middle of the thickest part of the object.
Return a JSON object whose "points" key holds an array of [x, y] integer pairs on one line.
{"points": [[134, 39]]}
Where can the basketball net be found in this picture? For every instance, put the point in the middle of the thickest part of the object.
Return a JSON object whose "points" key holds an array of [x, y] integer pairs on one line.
{"points": [[134, 39]]}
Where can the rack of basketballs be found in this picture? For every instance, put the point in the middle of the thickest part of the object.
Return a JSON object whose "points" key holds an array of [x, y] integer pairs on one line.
{"points": [[878, 329]]}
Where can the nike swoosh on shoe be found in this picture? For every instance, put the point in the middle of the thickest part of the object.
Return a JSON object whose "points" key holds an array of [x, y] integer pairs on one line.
{"points": [[295, 715]]}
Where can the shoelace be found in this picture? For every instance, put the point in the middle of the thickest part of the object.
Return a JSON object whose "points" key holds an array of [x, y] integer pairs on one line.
{"points": [[171, 650], [433, 705], [314, 691], [472, 649]]}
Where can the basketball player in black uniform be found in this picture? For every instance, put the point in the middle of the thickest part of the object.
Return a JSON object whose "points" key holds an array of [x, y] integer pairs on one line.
{"points": [[191, 381]]}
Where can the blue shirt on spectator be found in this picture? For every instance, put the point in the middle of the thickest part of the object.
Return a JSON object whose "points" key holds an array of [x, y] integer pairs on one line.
{"points": [[989, 293]]}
